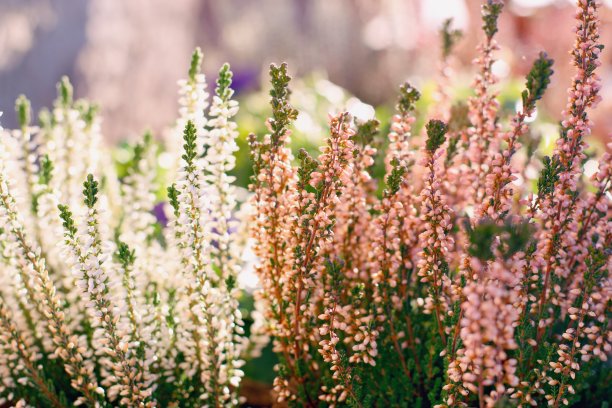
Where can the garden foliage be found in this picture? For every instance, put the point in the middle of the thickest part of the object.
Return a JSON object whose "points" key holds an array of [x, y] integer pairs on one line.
{"points": [[459, 282]]}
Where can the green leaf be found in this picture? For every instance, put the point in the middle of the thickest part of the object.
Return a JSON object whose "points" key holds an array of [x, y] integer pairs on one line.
{"points": [[88, 111], [125, 256], [24, 111], [307, 166], [394, 179], [90, 191], [408, 97], [449, 36], [65, 92], [490, 13], [224, 81], [190, 147], [538, 80], [367, 131], [46, 170], [549, 175], [436, 131], [196, 64], [282, 112], [173, 194], [68, 221]]}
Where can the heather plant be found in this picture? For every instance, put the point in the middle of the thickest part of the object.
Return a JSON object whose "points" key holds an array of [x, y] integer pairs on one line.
{"points": [[100, 305], [452, 279], [458, 283]]}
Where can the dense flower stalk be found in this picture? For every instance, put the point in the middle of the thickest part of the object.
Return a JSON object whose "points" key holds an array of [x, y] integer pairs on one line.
{"points": [[314, 221], [69, 347], [193, 102], [483, 107], [559, 208], [201, 291], [273, 185], [219, 158], [399, 137], [435, 213], [25, 367], [90, 260], [68, 133], [498, 191], [220, 147]]}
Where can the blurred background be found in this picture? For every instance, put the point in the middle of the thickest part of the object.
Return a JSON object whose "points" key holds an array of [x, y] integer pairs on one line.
{"points": [[127, 55]]}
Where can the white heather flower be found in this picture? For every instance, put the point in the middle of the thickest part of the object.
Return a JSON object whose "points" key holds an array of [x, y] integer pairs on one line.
{"points": [[45, 295], [98, 278], [193, 102], [61, 140]]}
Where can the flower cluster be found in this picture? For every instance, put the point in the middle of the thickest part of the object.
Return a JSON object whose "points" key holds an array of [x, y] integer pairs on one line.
{"points": [[454, 284], [101, 305]]}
